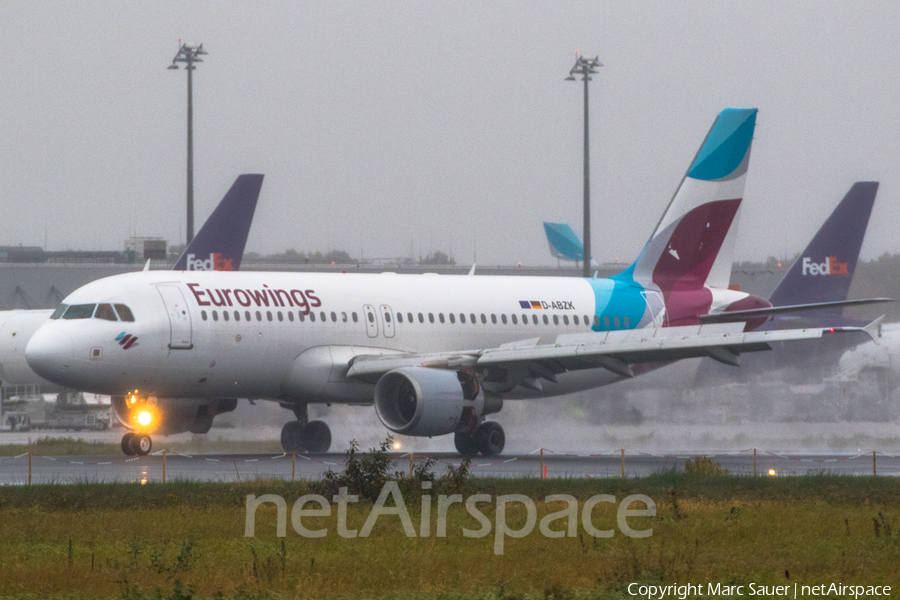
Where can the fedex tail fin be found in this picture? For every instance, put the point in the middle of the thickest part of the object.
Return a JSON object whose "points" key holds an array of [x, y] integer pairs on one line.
{"points": [[693, 243], [219, 245], [824, 271]]}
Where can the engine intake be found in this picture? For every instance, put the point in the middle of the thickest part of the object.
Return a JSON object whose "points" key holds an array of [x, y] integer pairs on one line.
{"points": [[424, 402]]}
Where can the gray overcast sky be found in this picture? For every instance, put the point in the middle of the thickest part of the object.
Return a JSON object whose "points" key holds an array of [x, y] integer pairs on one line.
{"points": [[389, 126]]}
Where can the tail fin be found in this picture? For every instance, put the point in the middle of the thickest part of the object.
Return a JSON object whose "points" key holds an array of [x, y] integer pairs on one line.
{"points": [[824, 271], [564, 243], [219, 245], [693, 243]]}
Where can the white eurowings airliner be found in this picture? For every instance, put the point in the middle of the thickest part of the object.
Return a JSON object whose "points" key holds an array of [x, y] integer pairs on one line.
{"points": [[434, 354]]}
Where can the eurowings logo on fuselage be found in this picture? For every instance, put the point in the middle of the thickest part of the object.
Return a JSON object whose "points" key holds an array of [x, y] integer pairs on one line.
{"points": [[302, 299], [544, 305], [126, 340], [831, 266], [215, 262]]}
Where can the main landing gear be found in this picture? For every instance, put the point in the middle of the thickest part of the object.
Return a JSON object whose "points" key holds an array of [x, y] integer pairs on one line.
{"points": [[136, 443], [488, 439], [304, 435]]}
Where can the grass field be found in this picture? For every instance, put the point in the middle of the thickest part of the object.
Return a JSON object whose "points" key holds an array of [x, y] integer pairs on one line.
{"points": [[186, 540]]}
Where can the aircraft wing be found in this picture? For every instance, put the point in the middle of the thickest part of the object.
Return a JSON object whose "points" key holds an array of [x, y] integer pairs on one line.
{"points": [[755, 313], [615, 351]]}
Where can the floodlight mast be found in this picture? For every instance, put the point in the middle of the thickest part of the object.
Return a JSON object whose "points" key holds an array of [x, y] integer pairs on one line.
{"points": [[586, 67], [190, 54]]}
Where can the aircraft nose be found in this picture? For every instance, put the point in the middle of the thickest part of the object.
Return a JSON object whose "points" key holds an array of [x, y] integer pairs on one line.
{"points": [[49, 354]]}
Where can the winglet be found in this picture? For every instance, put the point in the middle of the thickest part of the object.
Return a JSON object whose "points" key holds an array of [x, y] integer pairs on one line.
{"points": [[147, 266], [873, 329], [472, 270]]}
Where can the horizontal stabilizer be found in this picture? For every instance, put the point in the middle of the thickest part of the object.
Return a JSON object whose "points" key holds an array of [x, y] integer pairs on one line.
{"points": [[755, 313]]}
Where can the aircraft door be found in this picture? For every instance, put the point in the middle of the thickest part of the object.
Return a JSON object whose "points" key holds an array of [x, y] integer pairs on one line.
{"points": [[387, 318], [179, 317], [656, 306], [371, 320]]}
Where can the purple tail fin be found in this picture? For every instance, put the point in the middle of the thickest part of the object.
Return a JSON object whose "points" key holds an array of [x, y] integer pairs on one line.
{"points": [[824, 272], [219, 245]]}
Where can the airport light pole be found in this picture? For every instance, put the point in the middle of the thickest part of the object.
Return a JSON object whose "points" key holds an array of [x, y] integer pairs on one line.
{"points": [[586, 67], [189, 54]]}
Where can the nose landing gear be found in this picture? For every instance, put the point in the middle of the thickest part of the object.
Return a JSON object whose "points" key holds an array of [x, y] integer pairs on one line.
{"points": [[304, 435], [136, 443]]}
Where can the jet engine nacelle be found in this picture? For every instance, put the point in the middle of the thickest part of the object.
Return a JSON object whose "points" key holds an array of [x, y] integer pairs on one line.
{"points": [[424, 402], [165, 416]]}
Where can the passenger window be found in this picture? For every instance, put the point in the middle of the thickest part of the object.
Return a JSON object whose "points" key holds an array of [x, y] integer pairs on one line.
{"points": [[291, 316], [575, 319], [421, 318], [409, 317], [280, 316], [462, 318], [587, 320], [79, 311], [203, 315], [399, 317], [237, 315], [387, 317], [596, 320], [503, 318], [617, 322], [441, 317], [344, 317], [606, 322], [258, 316], [105, 312], [483, 319], [301, 316], [322, 314], [472, 317], [124, 313], [556, 319], [355, 320], [452, 318], [59, 311], [546, 320], [215, 315], [431, 317], [312, 317], [371, 318], [565, 319], [269, 315], [515, 320], [534, 319], [524, 319], [333, 317], [225, 315], [627, 324]]}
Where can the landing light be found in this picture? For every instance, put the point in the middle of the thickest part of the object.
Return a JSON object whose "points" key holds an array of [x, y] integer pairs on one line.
{"points": [[396, 445], [771, 472], [144, 418], [133, 399]]}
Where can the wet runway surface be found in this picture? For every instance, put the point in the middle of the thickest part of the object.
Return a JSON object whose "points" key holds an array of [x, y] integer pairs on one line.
{"points": [[244, 467]]}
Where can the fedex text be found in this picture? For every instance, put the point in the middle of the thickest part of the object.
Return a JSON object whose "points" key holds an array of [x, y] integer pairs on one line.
{"points": [[831, 266]]}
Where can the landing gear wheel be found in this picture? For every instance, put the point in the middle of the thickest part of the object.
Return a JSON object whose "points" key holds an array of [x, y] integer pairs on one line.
{"points": [[317, 437], [126, 444], [490, 438], [141, 444], [292, 437], [465, 444]]}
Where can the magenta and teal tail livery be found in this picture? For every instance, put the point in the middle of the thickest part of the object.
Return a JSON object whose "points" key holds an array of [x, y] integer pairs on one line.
{"points": [[219, 245], [690, 252]]}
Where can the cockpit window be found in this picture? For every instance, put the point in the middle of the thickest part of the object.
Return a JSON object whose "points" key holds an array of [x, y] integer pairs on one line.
{"points": [[79, 311], [124, 312], [59, 311], [105, 311]]}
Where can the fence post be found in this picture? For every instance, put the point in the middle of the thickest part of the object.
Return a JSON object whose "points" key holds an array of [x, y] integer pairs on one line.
{"points": [[293, 465], [623, 463], [754, 462], [874, 470], [542, 463], [29, 467], [410, 465]]}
